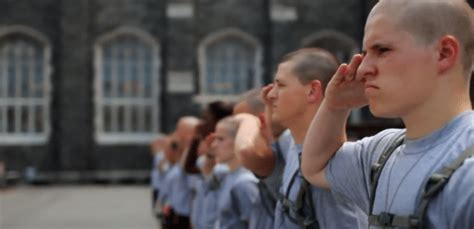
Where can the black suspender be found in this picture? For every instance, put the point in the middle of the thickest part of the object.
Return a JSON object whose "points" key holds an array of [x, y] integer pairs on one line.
{"points": [[303, 219], [378, 167], [433, 186], [438, 180], [269, 197]]}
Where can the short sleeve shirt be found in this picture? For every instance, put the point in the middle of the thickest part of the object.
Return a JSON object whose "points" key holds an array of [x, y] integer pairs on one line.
{"points": [[407, 171]]}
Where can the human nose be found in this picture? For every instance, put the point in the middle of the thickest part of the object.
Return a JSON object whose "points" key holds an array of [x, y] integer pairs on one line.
{"points": [[272, 93], [213, 145], [366, 68]]}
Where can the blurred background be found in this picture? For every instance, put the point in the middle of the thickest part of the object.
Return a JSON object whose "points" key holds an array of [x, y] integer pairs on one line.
{"points": [[85, 85]]}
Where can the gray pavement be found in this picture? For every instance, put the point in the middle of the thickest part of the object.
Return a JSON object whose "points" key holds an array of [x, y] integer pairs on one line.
{"points": [[76, 207]]}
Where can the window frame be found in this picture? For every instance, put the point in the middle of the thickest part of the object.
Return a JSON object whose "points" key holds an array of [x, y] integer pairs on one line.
{"points": [[28, 137], [119, 138], [202, 97]]}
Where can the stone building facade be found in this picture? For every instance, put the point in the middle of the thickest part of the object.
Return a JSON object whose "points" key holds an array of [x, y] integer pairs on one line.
{"points": [[85, 85]]}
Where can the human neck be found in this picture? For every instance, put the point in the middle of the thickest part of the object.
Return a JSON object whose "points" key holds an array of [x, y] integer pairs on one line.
{"points": [[299, 126], [233, 164], [435, 115]]}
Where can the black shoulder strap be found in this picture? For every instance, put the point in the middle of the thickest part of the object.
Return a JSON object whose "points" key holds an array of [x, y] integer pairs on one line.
{"points": [[305, 218], [235, 201], [268, 198], [438, 180], [214, 183], [377, 168], [305, 196], [433, 186]]}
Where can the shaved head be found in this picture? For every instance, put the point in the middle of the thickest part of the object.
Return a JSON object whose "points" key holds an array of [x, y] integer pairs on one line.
{"points": [[429, 20], [189, 121], [312, 64], [185, 128], [250, 103], [231, 125]]}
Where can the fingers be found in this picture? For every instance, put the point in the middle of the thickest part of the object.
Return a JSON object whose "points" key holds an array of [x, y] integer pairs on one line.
{"points": [[265, 128], [347, 72], [264, 93], [263, 122], [210, 138], [353, 66], [340, 74]]}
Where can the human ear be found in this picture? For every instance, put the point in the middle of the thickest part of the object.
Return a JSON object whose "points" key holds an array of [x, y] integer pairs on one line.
{"points": [[448, 53], [315, 91]]}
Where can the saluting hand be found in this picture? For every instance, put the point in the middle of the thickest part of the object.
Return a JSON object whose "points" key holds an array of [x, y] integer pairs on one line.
{"points": [[345, 91]]}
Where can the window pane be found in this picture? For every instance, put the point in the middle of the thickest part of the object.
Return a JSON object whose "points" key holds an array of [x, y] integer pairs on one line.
{"points": [[2, 127], [229, 67], [24, 119], [107, 122], [134, 119], [38, 78], [128, 80], [23, 85], [120, 118], [148, 119], [11, 119], [39, 118]]}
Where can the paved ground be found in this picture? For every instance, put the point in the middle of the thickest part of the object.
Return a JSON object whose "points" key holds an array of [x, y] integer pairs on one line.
{"points": [[76, 207]]}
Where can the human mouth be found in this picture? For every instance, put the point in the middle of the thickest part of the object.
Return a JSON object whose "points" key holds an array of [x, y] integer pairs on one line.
{"points": [[370, 88]]}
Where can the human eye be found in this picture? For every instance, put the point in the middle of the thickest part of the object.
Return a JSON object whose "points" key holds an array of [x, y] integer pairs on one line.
{"points": [[279, 84], [382, 50]]}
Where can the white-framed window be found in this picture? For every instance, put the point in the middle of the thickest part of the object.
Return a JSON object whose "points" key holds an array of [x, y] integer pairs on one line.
{"points": [[127, 90], [25, 86], [229, 64]]}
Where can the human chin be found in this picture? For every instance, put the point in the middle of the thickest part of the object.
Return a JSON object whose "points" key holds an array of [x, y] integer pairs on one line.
{"points": [[381, 111], [219, 157], [275, 117]]}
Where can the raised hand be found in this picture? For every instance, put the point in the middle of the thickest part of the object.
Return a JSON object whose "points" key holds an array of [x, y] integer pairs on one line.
{"points": [[252, 145], [158, 144], [268, 104], [345, 91]]}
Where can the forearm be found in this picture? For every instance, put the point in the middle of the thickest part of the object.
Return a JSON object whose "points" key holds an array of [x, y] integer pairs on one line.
{"points": [[261, 164], [326, 134], [253, 150]]}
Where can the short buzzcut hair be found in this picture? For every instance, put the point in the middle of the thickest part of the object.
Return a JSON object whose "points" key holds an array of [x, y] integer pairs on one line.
{"points": [[231, 124], [254, 101], [429, 20], [312, 64]]}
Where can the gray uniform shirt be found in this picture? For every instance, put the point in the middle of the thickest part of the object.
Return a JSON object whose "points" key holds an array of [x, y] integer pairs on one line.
{"points": [[177, 192], [156, 175], [165, 189], [236, 198], [407, 171], [204, 207], [329, 212], [263, 215]]}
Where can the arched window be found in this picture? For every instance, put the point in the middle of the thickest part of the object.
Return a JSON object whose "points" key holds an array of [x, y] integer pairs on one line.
{"points": [[24, 86], [126, 87], [229, 64]]}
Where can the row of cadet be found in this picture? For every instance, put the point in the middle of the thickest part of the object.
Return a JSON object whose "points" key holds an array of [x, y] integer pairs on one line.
{"points": [[280, 157]]}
